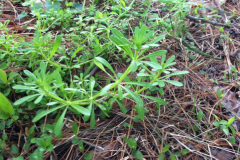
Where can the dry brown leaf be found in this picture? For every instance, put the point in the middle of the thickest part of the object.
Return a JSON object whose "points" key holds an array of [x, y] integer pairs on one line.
{"points": [[222, 154]]}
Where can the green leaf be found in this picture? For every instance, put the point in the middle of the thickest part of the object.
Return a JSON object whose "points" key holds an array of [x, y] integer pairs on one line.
{"points": [[22, 15], [51, 103], [56, 45], [233, 130], [24, 99], [230, 121], [175, 83], [154, 59], [2, 125], [172, 156], [136, 34], [200, 115], [20, 87], [78, 7], [137, 154], [3, 76], [101, 107], [75, 140], [158, 39], [158, 100], [142, 74], [92, 84], [125, 41], [136, 118], [18, 158], [219, 93], [43, 68], [44, 113], [59, 124], [134, 96], [31, 130], [79, 49], [80, 145], [154, 54], [133, 66], [175, 74], [120, 43], [163, 59], [14, 149], [232, 140], [131, 142], [117, 33], [170, 64], [178, 154], [105, 89], [216, 124], [4, 136], [31, 75], [143, 84], [122, 107], [226, 131], [39, 141], [161, 156], [195, 127], [166, 148], [92, 120], [37, 155], [49, 4], [6, 109], [140, 111], [216, 117], [53, 75], [75, 128], [82, 110], [88, 156], [9, 122], [97, 63], [184, 151], [147, 36], [39, 99], [12, 75], [105, 63], [120, 92], [153, 65], [85, 117], [161, 83], [125, 124], [223, 122], [170, 60]]}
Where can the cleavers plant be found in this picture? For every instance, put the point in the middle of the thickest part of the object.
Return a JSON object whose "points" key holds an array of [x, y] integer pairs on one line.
{"points": [[82, 98]]}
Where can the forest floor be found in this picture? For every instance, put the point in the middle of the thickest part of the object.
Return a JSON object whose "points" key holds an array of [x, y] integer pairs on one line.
{"points": [[200, 119]]}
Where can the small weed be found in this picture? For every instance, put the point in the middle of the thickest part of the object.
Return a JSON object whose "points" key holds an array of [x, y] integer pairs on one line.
{"points": [[90, 62]]}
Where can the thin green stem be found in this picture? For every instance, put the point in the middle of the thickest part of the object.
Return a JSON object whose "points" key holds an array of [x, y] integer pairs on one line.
{"points": [[87, 101], [120, 16], [52, 63], [154, 80]]}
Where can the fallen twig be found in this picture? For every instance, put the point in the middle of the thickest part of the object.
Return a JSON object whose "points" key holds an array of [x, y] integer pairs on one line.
{"points": [[15, 69], [194, 49], [197, 19]]}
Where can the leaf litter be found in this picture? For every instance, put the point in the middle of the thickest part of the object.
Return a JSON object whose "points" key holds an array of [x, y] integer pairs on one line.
{"points": [[176, 124]]}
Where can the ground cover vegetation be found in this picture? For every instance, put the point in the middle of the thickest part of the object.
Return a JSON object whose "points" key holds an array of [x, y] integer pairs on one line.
{"points": [[106, 79]]}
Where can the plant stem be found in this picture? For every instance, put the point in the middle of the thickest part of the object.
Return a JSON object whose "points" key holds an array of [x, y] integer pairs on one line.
{"points": [[154, 80], [87, 101]]}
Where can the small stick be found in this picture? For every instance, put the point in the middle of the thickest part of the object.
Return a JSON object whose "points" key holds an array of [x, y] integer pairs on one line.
{"points": [[197, 19], [194, 49], [15, 69]]}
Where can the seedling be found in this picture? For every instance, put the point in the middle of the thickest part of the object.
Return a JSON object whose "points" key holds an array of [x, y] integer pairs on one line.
{"points": [[131, 142], [225, 125]]}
